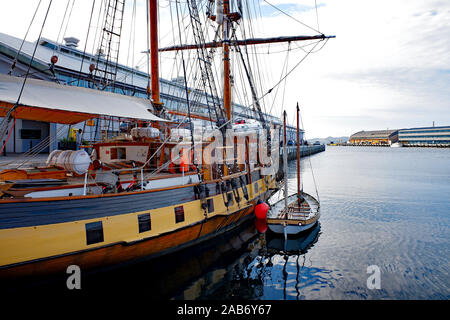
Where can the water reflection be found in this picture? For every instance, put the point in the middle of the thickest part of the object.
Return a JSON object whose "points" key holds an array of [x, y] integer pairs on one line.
{"points": [[395, 216], [242, 264], [289, 252], [194, 273], [248, 276], [293, 245]]}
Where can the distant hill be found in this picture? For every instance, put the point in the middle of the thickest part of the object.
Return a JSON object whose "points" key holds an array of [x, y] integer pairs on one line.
{"points": [[328, 140]]}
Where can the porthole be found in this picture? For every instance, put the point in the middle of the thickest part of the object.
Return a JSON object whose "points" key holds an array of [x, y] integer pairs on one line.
{"points": [[94, 232], [145, 223], [230, 198], [210, 203], [179, 214]]}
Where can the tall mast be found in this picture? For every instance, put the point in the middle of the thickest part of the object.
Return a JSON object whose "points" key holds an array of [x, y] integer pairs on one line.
{"points": [[285, 163], [154, 60], [226, 59], [298, 154]]}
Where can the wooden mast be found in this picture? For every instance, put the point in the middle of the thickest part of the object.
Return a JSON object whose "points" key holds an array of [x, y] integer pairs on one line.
{"points": [[154, 60], [299, 197], [226, 59], [285, 159]]}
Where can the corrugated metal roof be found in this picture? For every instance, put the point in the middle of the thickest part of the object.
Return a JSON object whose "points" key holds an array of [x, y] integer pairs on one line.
{"points": [[377, 134]]}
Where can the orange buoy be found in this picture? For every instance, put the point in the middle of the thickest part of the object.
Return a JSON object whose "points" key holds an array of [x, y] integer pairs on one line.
{"points": [[261, 210], [184, 162], [172, 168]]}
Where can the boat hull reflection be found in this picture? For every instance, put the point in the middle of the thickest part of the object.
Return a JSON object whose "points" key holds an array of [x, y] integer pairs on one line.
{"points": [[293, 244]]}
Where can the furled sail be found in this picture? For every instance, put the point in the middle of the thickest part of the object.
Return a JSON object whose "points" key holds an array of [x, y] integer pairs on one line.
{"points": [[51, 102]]}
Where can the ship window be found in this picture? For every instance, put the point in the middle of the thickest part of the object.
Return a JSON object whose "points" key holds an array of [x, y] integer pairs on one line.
{"points": [[118, 154], [179, 214], [145, 223], [210, 203], [94, 232]]}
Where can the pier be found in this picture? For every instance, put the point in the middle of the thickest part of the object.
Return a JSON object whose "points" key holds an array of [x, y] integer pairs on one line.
{"points": [[305, 150]]}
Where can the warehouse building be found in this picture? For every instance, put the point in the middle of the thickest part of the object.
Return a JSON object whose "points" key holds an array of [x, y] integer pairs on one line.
{"points": [[425, 137], [378, 137]]}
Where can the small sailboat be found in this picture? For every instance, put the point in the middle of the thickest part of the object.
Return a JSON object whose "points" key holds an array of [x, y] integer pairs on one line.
{"points": [[295, 245], [298, 212]]}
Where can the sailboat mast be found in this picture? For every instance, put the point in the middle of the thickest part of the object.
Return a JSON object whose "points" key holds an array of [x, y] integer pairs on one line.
{"points": [[226, 59], [285, 162], [298, 152], [154, 60]]}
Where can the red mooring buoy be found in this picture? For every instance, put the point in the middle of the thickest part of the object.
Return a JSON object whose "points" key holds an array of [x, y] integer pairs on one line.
{"points": [[261, 210], [261, 225]]}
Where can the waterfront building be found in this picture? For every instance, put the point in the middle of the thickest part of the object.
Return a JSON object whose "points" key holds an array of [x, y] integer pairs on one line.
{"points": [[73, 67], [378, 137], [426, 136]]}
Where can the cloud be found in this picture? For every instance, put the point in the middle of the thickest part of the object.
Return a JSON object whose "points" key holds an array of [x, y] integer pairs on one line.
{"points": [[388, 66], [291, 5]]}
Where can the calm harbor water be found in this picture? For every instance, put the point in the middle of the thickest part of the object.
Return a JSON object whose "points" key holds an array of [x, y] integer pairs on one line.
{"points": [[388, 207]]}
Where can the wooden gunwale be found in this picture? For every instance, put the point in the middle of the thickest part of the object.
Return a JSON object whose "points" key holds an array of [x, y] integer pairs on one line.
{"points": [[292, 221], [106, 195]]}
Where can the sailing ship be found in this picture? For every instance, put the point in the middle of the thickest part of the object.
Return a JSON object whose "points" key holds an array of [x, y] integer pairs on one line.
{"points": [[298, 212], [129, 198]]}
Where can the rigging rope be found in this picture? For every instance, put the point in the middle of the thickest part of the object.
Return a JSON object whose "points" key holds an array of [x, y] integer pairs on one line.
{"points": [[9, 134], [317, 15], [187, 99], [285, 78], [7, 119], [60, 28], [132, 38], [310, 165], [287, 74], [85, 44], [291, 16], [13, 65]]}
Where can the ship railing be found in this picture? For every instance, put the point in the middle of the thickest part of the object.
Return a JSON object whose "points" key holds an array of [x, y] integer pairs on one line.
{"points": [[142, 180]]}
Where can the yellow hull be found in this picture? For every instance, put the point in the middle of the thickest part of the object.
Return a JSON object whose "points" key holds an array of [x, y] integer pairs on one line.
{"points": [[52, 247]]}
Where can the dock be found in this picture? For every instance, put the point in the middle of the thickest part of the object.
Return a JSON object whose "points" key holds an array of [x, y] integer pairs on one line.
{"points": [[305, 150]]}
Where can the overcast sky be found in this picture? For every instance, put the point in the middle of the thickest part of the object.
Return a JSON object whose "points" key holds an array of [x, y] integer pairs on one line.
{"points": [[389, 66]]}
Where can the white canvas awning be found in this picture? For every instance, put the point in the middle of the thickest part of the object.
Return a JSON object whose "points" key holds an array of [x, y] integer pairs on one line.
{"points": [[51, 102]]}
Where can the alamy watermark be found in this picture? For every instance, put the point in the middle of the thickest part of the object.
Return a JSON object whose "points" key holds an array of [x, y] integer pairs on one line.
{"points": [[74, 280], [374, 280]]}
